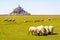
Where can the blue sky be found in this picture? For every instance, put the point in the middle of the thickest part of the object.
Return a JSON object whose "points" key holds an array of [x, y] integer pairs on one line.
{"points": [[31, 6]]}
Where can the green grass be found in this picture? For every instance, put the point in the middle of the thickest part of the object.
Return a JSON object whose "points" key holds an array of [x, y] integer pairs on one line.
{"points": [[18, 30]]}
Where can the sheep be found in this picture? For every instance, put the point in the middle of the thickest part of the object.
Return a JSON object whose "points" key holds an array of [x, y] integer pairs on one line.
{"points": [[6, 20], [47, 29], [41, 30], [32, 30], [25, 20], [51, 29], [13, 20], [49, 19], [42, 20], [10, 20]]}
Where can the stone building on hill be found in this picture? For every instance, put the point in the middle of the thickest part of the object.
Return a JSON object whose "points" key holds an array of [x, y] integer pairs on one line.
{"points": [[19, 11]]}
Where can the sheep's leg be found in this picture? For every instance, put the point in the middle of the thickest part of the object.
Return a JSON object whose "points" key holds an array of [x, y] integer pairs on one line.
{"points": [[52, 31], [32, 32], [28, 32], [38, 34], [41, 34], [35, 33]]}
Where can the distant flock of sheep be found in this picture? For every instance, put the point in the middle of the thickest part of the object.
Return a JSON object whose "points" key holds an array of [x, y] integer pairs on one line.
{"points": [[9, 20], [41, 30], [42, 20], [13, 20]]}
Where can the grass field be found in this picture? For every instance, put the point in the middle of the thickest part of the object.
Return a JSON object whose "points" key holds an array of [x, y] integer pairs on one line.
{"points": [[18, 30]]}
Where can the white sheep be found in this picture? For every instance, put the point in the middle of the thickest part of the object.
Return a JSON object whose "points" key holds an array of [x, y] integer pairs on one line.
{"points": [[40, 30], [51, 29], [47, 29], [32, 30], [25, 20], [49, 19]]}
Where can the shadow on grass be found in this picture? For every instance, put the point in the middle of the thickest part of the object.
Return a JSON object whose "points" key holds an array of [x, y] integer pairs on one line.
{"points": [[54, 34], [47, 34], [41, 35]]}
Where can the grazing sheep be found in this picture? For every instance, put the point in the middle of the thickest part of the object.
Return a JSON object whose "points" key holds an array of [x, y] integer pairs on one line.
{"points": [[41, 30], [49, 19], [13, 20], [6, 20], [10, 20], [47, 29], [42, 20], [51, 29], [32, 30], [25, 20]]}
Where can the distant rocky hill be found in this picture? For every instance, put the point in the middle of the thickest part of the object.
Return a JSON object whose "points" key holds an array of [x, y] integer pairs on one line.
{"points": [[19, 11]]}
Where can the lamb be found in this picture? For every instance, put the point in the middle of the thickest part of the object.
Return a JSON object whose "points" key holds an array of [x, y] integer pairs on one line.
{"points": [[51, 29], [32, 30]]}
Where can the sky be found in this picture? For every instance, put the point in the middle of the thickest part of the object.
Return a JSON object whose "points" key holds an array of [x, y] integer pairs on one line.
{"points": [[35, 7]]}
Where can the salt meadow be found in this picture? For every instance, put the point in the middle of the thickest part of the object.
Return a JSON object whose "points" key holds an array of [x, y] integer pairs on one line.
{"points": [[18, 29]]}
